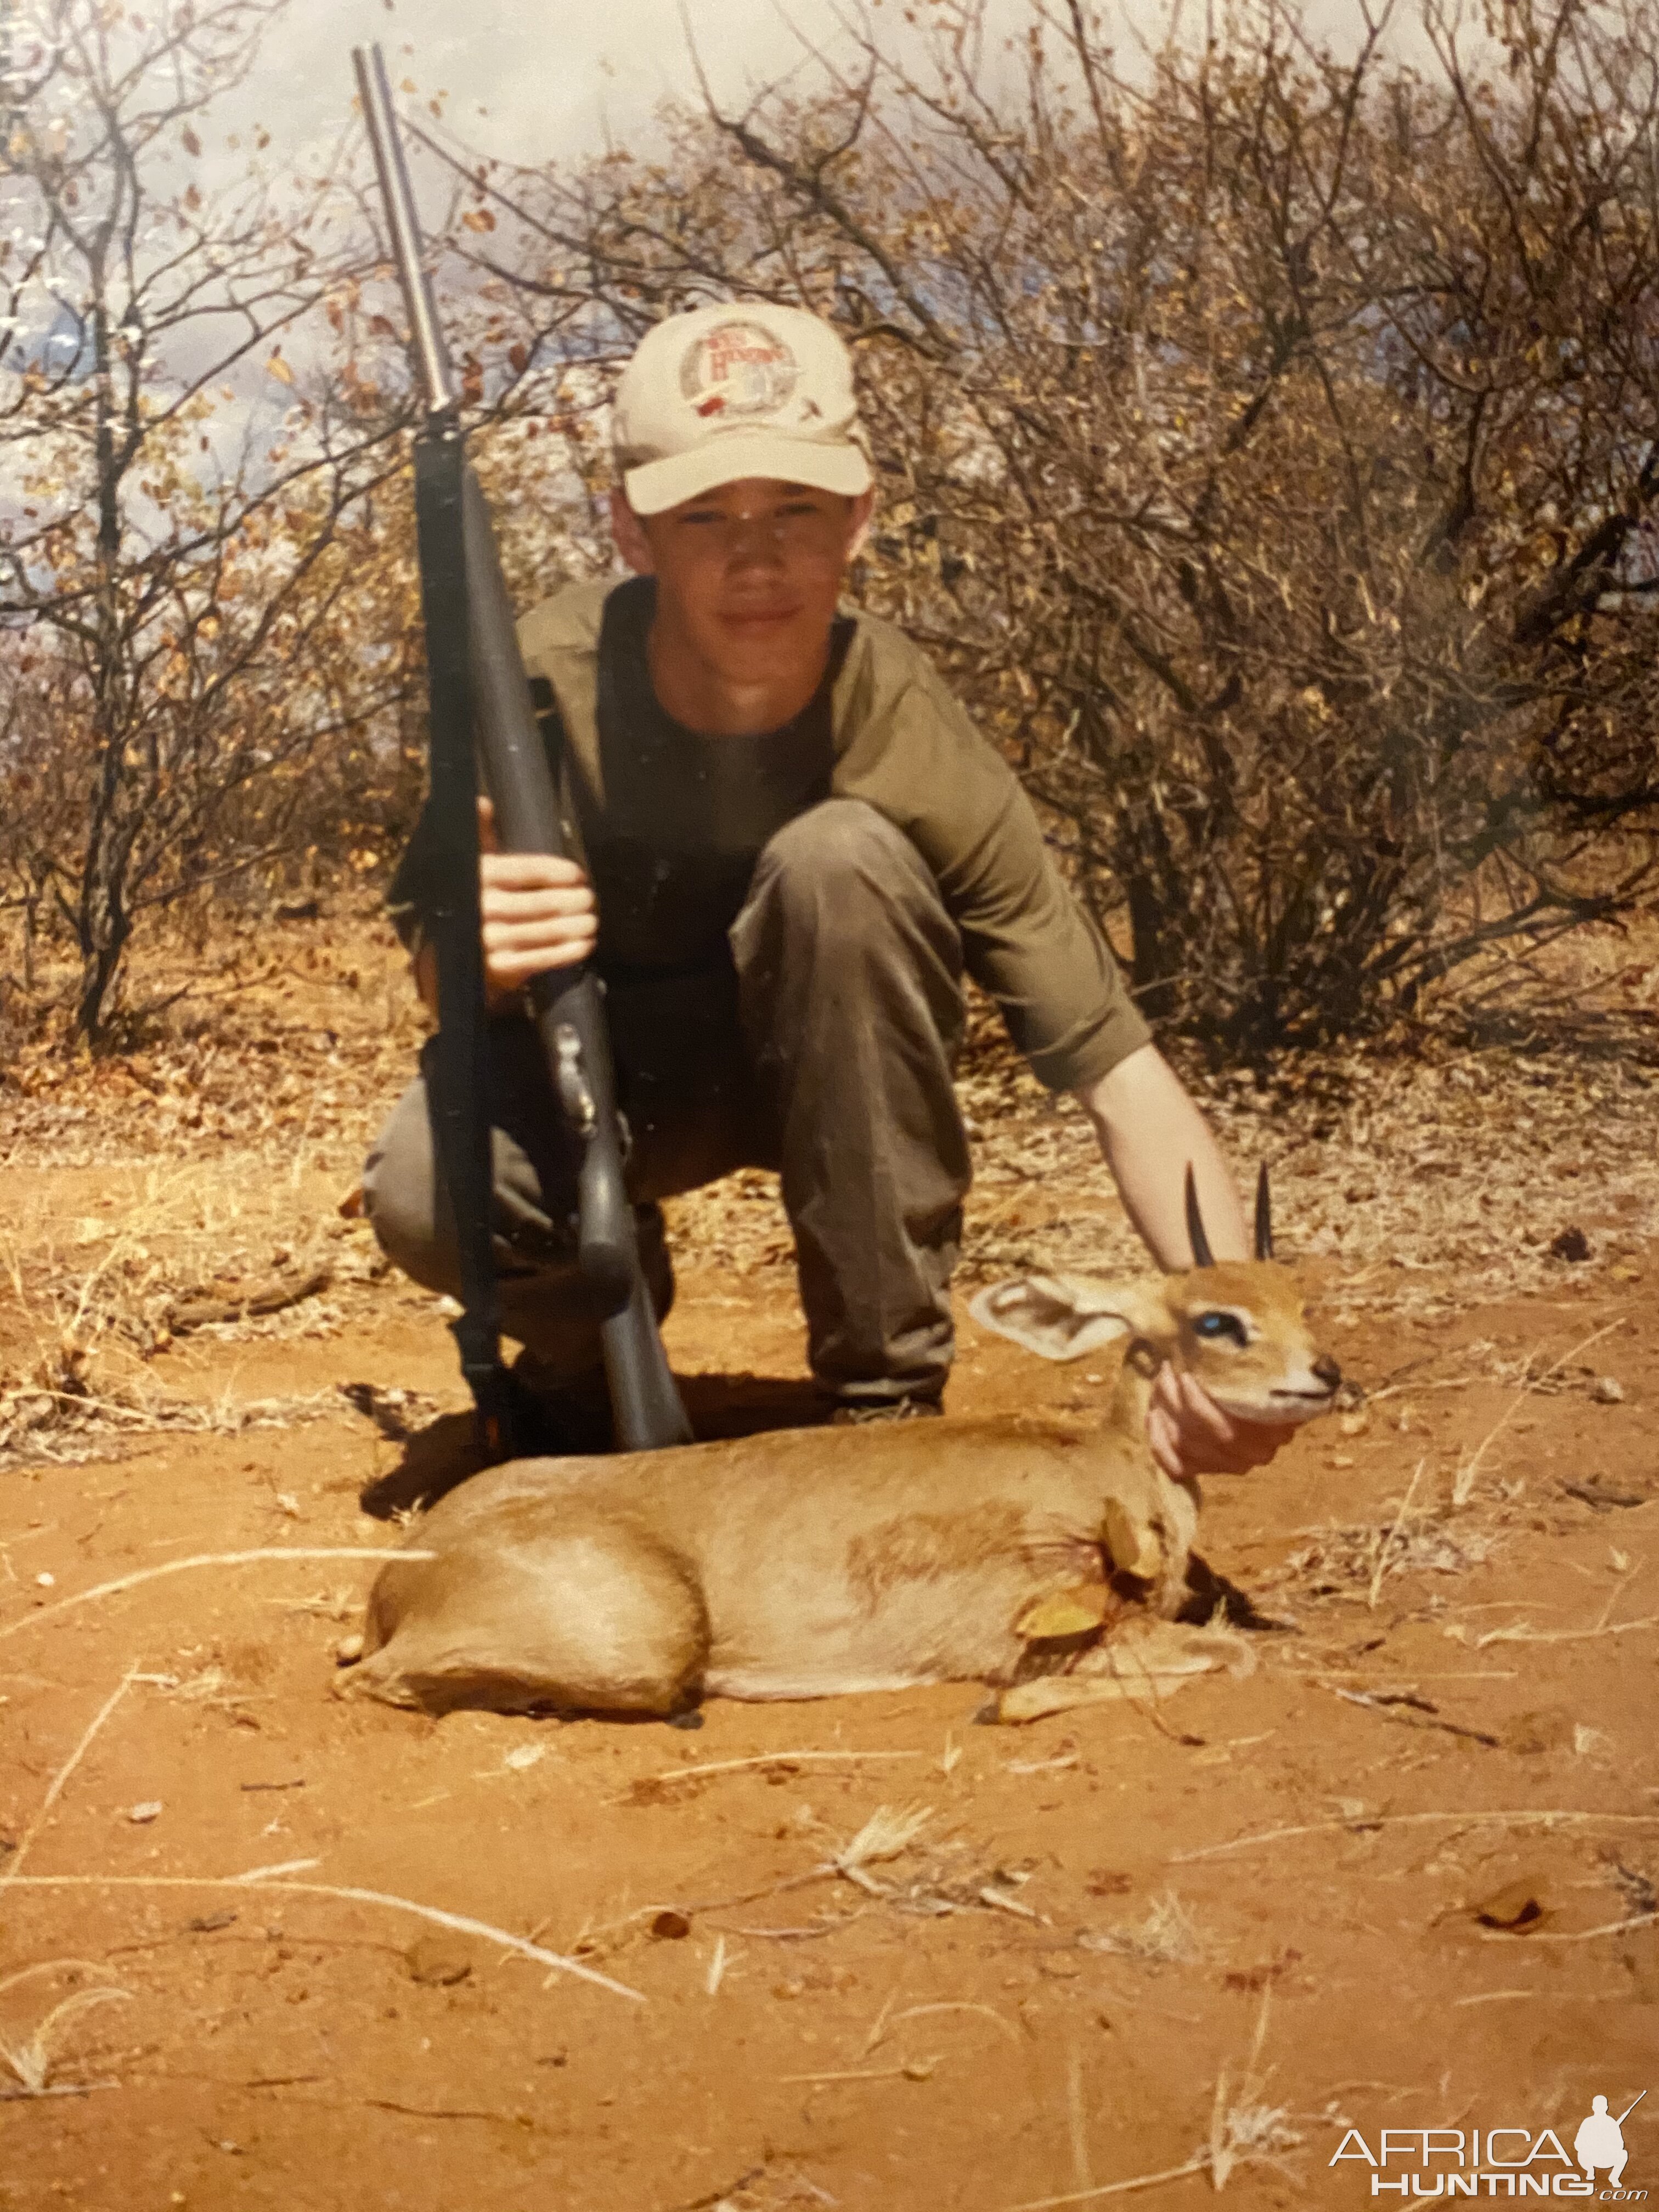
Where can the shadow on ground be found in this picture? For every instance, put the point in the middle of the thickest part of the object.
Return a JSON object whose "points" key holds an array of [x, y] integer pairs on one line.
{"points": [[443, 1454]]}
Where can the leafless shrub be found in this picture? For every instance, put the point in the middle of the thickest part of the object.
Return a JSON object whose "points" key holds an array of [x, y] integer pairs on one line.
{"points": [[1266, 434]]}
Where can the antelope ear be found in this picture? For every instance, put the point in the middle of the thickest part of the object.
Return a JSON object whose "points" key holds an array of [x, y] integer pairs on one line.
{"points": [[1062, 1317]]}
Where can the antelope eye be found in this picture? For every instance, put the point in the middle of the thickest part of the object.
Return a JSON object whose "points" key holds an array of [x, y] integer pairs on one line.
{"points": [[1215, 1326]]}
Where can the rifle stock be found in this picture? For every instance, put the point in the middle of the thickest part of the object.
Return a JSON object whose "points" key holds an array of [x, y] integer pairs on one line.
{"points": [[481, 705]]}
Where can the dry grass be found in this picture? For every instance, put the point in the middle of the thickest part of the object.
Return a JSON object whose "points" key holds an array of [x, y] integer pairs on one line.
{"points": [[209, 1163], [886, 1835], [1242, 2131], [1412, 1168], [1366, 1823], [201, 1169], [13, 1866], [1167, 1936], [12, 1877], [31, 2062], [43, 1427], [772, 1759], [1432, 1172], [1346, 1560], [261, 1555], [1463, 1480], [282, 1879]]}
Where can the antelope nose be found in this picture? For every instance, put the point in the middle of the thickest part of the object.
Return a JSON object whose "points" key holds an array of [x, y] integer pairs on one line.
{"points": [[1328, 1371]]}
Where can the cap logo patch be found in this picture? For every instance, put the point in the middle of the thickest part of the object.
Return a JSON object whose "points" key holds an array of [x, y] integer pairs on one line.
{"points": [[738, 369]]}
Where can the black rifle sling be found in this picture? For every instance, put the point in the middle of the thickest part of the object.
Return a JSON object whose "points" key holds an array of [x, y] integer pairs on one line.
{"points": [[458, 1087]]}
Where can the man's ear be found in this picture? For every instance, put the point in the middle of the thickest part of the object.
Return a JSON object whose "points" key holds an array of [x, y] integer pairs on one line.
{"points": [[628, 531], [1059, 1317], [859, 522]]}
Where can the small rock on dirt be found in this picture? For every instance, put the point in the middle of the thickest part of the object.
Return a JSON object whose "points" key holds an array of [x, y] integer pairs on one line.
{"points": [[669, 1927], [1570, 1244], [437, 1962]]}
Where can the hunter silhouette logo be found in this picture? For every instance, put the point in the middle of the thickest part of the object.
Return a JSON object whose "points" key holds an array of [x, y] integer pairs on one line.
{"points": [[1600, 2141], [738, 369]]}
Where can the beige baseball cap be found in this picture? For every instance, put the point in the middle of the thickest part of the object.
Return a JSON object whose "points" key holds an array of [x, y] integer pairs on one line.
{"points": [[747, 390]]}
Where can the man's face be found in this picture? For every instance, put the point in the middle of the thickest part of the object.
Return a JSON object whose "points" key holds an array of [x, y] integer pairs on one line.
{"points": [[748, 575]]}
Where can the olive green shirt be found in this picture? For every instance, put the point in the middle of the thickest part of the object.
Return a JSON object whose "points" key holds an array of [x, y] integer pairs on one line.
{"points": [[899, 741]]}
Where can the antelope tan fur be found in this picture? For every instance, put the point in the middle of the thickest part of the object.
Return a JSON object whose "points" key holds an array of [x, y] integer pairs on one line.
{"points": [[1025, 1551]]}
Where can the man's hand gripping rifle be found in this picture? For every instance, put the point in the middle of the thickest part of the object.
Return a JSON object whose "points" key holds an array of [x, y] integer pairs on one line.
{"points": [[483, 727]]}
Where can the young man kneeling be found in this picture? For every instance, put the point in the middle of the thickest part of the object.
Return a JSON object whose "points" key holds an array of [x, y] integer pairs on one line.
{"points": [[794, 843]]}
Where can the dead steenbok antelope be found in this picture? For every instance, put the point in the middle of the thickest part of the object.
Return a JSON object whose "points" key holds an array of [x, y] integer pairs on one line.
{"points": [[810, 1563]]}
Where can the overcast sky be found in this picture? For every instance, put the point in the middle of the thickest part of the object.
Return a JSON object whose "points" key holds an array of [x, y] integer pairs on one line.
{"points": [[532, 79]]}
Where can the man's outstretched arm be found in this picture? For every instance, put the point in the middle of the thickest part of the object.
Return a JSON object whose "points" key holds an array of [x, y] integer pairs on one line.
{"points": [[1149, 1130]]}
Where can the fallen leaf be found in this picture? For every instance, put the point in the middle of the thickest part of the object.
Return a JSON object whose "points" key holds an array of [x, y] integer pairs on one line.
{"points": [[1076, 1611], [1132, 1543]]}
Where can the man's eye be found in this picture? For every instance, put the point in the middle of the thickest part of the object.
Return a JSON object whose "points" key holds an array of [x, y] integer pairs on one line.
{"points": [[1215, 1325]]}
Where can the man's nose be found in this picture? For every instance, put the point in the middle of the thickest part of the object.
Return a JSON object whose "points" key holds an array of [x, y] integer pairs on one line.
{"points": [[754, 541]]}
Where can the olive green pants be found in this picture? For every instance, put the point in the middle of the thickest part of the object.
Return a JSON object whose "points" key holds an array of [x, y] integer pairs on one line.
{"points": [[823, 1049]]}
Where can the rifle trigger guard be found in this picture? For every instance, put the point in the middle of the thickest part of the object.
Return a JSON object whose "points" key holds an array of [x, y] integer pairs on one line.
{"points": [[570, 1080]]}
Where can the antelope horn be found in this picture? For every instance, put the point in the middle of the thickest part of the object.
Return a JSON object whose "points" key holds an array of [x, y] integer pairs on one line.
{"points": [[1202, 1255], [1264, 1218]]}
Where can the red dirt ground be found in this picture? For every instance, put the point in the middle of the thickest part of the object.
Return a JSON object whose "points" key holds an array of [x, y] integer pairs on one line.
{"points": [[1200, 1944]]}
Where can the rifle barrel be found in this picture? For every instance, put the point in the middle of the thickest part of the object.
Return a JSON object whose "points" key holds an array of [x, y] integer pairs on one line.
{"points": [[483, 722], [426, 333]]}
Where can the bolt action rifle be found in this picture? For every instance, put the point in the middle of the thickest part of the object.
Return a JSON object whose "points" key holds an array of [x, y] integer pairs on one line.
{"points": [[484, 730]]}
